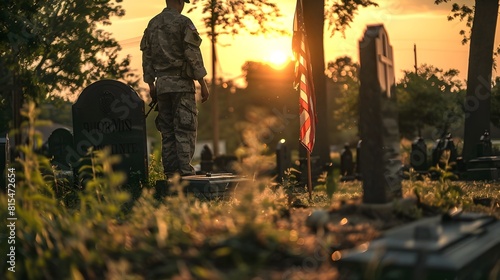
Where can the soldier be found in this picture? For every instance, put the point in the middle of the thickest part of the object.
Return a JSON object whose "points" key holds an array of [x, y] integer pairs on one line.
{"points": [[171, 61]]}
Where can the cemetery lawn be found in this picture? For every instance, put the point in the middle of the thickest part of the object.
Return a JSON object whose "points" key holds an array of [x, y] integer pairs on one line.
{"points": [[260, 232]]}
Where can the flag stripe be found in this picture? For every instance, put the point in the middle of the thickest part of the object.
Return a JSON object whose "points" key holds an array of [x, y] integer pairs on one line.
{"points": [[303, 80]]}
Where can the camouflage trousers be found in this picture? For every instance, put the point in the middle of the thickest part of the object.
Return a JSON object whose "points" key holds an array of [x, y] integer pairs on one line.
{"points": [[177, 122]]}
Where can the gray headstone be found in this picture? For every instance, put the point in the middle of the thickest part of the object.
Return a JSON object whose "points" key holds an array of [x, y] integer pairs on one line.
{"points": [[60, 142], [418, 156], [110, 114], [283, 161], [207, 160], [380, 158], [346, 161]]}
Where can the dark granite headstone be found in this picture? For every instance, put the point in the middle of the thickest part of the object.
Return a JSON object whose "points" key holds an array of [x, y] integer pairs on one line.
{"points": [[444, 144], [449, 146], [418, 155], [110, 114], [225, 163], [484, 147], [60, 142], [437, 151], [283, 161], [346, 163], [380, 158], [207, 160]]}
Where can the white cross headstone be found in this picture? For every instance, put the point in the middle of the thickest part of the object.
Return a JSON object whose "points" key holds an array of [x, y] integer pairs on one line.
{"points": [[385, 63]]}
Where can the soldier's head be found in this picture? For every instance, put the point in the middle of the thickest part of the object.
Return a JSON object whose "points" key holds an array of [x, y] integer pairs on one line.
{"points": [[176, 4]]}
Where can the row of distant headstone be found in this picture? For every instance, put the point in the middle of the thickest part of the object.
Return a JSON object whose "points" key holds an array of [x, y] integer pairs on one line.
{"points": [[444, 155]]}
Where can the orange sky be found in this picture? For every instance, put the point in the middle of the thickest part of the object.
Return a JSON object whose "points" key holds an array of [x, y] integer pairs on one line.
{"points": [[407, 22]]}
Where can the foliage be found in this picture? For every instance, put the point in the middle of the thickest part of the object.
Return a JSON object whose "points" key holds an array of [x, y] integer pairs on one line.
{"points": [[247, 235], [460, 12], [464, 12], [343, 73], [495, 102], [446, 193], [268, 99], [57, 110], [340, 13], [234, 16], [429, 98], [57, 47]]}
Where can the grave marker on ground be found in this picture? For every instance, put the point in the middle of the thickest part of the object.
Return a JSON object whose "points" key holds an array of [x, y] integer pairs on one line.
{"points": [[110, 114], [418, 156], [346, 164], [283, 161], [60, 142], [380, 162]]}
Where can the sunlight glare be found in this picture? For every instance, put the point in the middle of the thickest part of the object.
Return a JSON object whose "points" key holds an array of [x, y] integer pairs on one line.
{"points": [[278, 59]]}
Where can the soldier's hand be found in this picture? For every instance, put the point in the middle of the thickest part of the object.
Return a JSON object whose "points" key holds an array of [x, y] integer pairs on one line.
{"points": [[204, 91], [204, 95], [152, 92]]}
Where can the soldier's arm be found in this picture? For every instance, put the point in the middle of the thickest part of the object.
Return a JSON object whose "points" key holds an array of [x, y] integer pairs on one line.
{"points": [[147, 59], [192, 52]]}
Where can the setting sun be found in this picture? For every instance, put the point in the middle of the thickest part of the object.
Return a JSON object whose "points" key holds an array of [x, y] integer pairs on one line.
{"points": [[278, 59]]}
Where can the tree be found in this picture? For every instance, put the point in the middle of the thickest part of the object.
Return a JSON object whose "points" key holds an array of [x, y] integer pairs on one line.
{"points": [[56, 47], [231, 17], [341, 13], [481, 19], [495, 102], [429, 98], [343, 75]]}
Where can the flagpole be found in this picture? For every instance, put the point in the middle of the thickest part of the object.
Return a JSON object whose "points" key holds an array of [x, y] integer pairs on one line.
{"points": [[309, 177]]}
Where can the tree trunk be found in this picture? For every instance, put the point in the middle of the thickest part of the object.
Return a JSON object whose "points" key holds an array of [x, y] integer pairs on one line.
{"points": [[314, 21], [213, 88], [478, 96]]}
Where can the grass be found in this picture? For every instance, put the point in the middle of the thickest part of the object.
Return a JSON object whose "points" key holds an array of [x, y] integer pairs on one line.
{"points": [[258, 233]]}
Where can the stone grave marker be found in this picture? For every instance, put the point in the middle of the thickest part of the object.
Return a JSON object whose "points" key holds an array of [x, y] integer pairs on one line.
{"points": [[110, 114], [346, 164], [60, 143], [380, 158], [207, 160], [283, 161], [418, 155]]}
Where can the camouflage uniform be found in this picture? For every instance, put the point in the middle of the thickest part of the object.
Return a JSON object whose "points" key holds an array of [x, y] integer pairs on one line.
{"points": [[169, 45]]}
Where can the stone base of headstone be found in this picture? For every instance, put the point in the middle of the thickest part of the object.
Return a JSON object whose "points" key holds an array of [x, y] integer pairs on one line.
{"points": [[209, 186], [481, 174], [482, 168]]}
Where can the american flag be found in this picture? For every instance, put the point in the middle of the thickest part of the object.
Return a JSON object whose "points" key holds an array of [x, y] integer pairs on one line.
{"points": [[303, 80]]}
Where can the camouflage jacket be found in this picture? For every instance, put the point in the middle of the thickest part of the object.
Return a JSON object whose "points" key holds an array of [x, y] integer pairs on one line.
{"points": [[169, 42]]}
